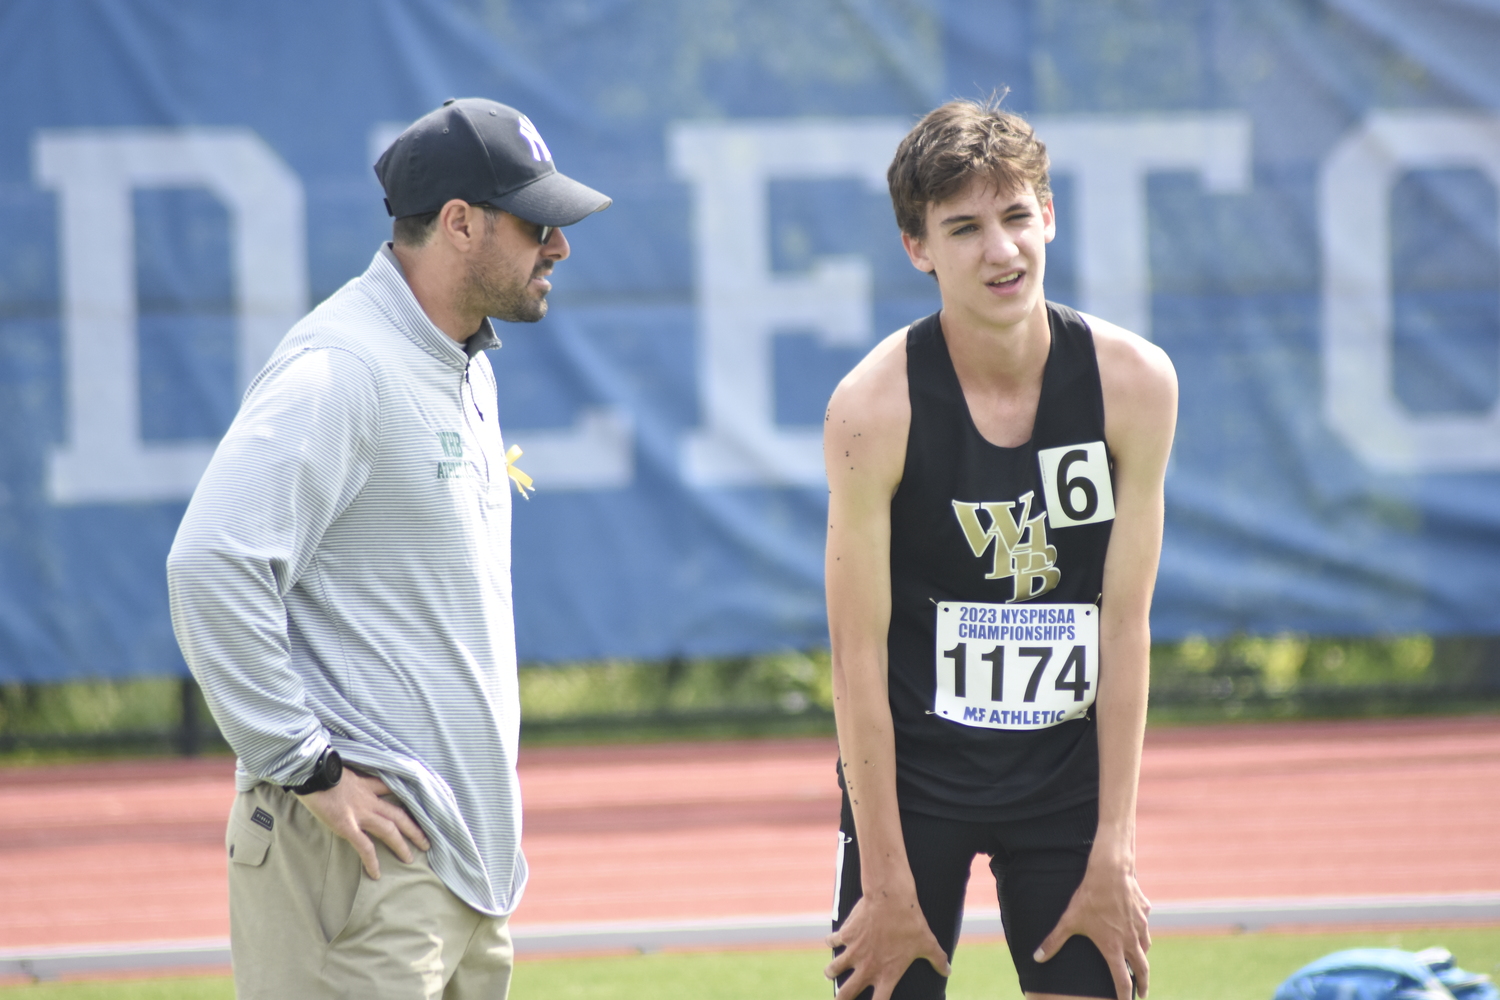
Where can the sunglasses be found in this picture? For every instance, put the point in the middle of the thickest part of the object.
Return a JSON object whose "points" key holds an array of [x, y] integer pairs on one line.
{"points": [[543, 233]]}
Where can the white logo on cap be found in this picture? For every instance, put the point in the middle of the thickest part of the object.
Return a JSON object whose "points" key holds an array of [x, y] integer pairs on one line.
{"points": [[539, 150]]}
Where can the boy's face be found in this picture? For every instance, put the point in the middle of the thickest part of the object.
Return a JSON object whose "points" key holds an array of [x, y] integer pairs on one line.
{"points": [[988, 251]]}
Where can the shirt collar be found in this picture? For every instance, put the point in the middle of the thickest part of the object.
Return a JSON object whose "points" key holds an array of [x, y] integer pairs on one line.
{"points": [[387, 282]]}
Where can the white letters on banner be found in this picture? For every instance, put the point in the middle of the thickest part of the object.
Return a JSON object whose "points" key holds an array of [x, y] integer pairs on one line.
{"points": [[596, 453], [94, 173], [742, 304], [1109, 159], [1354, 219]]}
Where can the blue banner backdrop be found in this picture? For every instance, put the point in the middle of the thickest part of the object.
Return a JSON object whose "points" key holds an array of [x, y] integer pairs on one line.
{"points": [[1295, 198]]}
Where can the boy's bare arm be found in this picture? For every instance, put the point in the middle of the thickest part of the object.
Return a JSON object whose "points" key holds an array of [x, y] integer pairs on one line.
{"points": [[1140, 399], [865, 450]]}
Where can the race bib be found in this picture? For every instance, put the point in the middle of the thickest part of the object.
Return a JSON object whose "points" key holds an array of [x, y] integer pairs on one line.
{"points": [[1015, 666]]}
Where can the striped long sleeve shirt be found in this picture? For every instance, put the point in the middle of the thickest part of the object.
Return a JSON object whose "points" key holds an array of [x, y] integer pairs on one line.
{"points": [[342, 576]]}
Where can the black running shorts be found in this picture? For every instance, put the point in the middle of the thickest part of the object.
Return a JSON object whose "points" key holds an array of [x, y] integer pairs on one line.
{"points": [[1038, 863]]}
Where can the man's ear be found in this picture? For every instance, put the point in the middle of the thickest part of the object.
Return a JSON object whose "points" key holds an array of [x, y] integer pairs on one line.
{"points": [[460, 224], [916, 250], [1049, 220]]}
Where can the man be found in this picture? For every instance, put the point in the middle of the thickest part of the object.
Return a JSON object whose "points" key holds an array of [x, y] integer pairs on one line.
{"points": [[340, 587], [995, 512]]}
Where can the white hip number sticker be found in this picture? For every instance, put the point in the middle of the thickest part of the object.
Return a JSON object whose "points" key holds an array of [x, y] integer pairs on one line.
{"points": [[1076, 482], [1008, 666]]}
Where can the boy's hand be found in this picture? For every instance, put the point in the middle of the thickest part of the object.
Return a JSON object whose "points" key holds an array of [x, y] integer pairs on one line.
{"points": [[882, 936]]}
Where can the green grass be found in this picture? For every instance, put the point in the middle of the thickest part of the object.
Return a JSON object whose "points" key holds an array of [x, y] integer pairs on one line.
{"points": [[1183, 967], [175, 988]]}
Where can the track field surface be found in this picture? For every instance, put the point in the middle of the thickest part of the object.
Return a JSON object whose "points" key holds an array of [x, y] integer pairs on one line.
{"points": [[133, 851]]}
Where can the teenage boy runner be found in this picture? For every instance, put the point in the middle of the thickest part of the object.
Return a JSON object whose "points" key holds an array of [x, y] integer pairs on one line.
{"points": [[995, 515]]}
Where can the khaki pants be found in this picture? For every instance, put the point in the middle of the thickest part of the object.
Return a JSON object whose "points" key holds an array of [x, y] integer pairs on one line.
{"points": [[306, 922]]}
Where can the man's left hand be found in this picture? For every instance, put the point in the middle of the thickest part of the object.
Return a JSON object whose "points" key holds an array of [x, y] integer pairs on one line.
{"points": [[1109, 909]]}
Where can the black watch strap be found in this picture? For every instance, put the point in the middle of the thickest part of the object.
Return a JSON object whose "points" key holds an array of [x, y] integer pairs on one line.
{"points": [[327, 771]]}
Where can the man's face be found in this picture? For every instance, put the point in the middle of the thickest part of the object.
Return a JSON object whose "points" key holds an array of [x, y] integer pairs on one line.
{"points": [[507, 276], [988, 250]]}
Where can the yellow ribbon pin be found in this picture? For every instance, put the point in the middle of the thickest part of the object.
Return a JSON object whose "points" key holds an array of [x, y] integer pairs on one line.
{"points": [[521, 479]]}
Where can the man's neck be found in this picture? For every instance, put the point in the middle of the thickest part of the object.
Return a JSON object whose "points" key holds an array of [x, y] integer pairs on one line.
{"points": [[435, 288]]}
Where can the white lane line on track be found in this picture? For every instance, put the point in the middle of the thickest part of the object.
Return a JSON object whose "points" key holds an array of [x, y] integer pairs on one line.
{"points": [[793, 929]]}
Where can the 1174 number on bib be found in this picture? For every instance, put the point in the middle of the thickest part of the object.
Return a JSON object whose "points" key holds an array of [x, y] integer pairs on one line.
{"points": [[1008, 666]]}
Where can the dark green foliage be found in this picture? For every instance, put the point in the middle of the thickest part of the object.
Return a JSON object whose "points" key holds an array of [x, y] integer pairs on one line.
{"points": [[791, 693]]}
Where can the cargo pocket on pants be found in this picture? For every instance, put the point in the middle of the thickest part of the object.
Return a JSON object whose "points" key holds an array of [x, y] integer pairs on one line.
{"points": [[246, 840], [247, 843]]}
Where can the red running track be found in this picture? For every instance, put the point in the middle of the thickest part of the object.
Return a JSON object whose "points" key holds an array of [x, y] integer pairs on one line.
{"points": [[122, 852]]}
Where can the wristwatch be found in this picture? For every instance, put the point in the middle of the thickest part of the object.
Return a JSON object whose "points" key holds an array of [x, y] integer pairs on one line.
{"points": [[327, 771]]}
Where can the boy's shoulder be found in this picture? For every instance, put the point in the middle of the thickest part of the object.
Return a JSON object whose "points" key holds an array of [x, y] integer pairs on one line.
{"points": [[876, 386], [1128, 362]]}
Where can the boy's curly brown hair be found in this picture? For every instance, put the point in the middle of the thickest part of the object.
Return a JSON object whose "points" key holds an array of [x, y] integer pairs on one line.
{"points": [[955, 144]]}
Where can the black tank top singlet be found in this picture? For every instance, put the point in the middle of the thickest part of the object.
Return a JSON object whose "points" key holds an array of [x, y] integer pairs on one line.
{"points": [[946, 545]]}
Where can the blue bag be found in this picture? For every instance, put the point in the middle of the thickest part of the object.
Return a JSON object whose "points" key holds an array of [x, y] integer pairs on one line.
{"points": [[1386, 974]]}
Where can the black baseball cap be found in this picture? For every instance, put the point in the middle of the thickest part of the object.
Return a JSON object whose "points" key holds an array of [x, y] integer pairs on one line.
{"points": [[483, 152]]}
